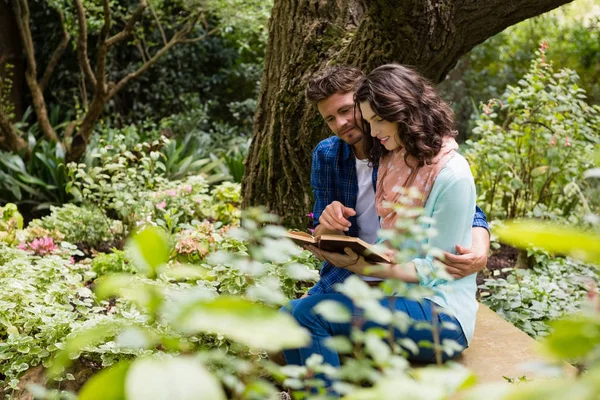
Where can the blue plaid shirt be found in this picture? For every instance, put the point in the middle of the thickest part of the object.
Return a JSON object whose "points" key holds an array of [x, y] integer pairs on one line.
{"points": [[333, 178]]}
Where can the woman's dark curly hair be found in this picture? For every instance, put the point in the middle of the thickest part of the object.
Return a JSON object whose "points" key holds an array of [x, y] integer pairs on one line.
{"points": [[398, 94]]}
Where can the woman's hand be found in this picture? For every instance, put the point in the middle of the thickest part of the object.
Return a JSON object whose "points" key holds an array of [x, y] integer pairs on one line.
{"points": [[349, 260]]}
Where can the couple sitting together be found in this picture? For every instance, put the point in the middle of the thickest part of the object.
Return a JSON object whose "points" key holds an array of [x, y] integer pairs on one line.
{"points": [[392, 130]]}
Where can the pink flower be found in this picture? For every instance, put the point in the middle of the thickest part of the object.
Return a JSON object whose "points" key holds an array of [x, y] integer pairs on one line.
{"points": [[161, 205], [72, 259], [41, 246], [188, 188], [172, 193], [310, 215], [567, 143], [553, 140]]}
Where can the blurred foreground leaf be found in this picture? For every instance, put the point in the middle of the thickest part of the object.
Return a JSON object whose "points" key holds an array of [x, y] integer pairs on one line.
{"points": [[255, 325], [555, 238]]}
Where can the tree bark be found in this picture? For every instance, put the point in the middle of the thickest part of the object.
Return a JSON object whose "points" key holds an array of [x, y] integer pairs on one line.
{"points": [[306, 35], [11, 53]]}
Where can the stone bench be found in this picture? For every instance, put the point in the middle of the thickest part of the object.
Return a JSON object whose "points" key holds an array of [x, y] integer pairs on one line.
{"points": [[499, 349]]}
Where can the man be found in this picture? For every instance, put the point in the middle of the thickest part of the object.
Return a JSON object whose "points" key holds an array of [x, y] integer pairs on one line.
{"points": [[344, 184]]}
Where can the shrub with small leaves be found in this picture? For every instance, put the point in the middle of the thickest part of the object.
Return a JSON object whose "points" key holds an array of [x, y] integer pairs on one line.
{"points": [[112, 263], [78, 225], [531, 298], [533, 146]]}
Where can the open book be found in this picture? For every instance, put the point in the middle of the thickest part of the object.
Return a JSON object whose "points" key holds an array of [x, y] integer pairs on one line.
{"points": [[337, 243]]}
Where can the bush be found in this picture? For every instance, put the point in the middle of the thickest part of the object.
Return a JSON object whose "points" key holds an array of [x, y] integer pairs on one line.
{"points": [[572, 32], [531, 298], [112, 263], [534, 145], [78, 225], [42, 301]]}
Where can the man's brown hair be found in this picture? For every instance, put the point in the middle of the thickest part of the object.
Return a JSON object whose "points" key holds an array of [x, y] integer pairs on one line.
{"points": [[334, 79]]}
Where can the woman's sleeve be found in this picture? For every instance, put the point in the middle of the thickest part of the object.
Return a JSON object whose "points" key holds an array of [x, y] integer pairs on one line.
{"points": [[453, 212]]}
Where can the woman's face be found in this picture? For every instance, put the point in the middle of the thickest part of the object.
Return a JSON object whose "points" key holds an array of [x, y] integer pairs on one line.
{"points": [[384, 131]]}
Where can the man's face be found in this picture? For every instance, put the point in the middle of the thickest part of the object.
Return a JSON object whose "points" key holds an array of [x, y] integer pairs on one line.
{"points": [[338, 112]]}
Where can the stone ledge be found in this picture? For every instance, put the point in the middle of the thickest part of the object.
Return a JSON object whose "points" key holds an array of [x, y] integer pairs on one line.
{"points": [[499, 349]]}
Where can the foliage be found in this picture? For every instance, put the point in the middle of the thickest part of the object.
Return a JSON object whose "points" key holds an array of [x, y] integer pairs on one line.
{"points": [[112, 263], [531, 298], [172, 49], [531, 154], [192, 309], [573, 338], [79, 225], [10, 222], [572, 31], [42, 299], [183, 301], [37, 181], [132, 185], [206, 137]]}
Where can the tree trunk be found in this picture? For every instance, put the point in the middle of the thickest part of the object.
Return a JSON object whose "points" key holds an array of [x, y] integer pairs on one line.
{"points": [[11, 53], [305, 35]]}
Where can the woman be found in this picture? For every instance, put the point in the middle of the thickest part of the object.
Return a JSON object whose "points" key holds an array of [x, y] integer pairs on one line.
{"points": [[409, 133]]}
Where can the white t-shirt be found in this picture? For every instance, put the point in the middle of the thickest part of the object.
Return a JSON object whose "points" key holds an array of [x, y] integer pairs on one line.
{"points": [[366, 214]]}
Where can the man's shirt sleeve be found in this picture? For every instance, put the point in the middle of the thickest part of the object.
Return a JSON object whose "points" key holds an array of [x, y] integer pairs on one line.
{"points": [[320, 180], [480, 220]]}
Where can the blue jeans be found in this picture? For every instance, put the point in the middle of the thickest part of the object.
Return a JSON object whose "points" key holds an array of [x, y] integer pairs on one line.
{"points": [[321, 329]]}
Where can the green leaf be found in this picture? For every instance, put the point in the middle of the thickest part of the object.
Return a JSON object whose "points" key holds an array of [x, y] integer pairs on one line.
{"points": [[187, 272], [573, 337], [149, 249], [106, 384], [254, 325], [552, 237], [539, 171], [182, 378], [78, 342], [592, 173], [333, 311]]}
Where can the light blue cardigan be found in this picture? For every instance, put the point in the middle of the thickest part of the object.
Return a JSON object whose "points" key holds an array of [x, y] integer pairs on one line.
{"points": [[451, 203]]}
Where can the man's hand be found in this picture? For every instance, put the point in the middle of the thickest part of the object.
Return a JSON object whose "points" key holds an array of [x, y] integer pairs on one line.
{"points": [[335, 217], [467, 262]]}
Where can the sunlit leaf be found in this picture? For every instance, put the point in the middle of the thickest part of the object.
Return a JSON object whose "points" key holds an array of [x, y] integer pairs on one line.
{"points": [[573, 337], [180, 378], [79, 341], [149, 249], [592, 173], [255, 325], [539, 171], [333, 311], [106, 384], [552, 237]]}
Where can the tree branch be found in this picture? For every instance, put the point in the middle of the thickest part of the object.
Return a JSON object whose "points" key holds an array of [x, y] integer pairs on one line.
{"points": [[21, 10], [129, 25], [131, 76], [82, 41], [102, 51], [178, 37], [57, 54], [201, 37], [160, 28]]}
